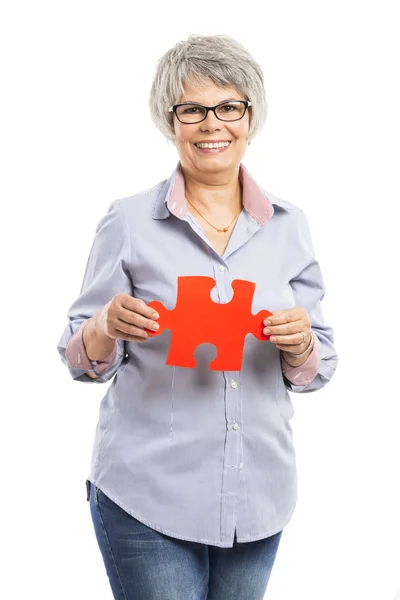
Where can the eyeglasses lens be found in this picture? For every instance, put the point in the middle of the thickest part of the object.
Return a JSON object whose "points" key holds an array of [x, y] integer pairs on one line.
{"points": [[192, 113]]}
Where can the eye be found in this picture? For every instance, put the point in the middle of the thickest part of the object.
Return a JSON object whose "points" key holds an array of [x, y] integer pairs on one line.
{"points": [[230, 108], [189, 110]]}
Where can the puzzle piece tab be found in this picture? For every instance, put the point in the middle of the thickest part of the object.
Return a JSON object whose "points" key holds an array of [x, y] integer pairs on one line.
{"points": [[196, 320]]}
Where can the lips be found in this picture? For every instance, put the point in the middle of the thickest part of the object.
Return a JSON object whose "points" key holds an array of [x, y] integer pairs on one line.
{"points": [[213, 142], [219, 149]]}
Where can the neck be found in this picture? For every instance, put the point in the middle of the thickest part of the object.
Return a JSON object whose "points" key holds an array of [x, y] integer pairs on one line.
{"points": [[215, 194]]}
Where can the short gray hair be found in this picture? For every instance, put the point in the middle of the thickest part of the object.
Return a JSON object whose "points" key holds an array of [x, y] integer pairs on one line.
{"points": [[218, 58]]}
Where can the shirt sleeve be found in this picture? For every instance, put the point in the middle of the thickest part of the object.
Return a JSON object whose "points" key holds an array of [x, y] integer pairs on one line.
{"points": [[309, 290], [306, 372], [105, 276], [78, 359]]}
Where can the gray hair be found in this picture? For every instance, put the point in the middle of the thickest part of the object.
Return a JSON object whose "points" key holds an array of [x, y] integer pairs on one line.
{"points": [[218, 58]]}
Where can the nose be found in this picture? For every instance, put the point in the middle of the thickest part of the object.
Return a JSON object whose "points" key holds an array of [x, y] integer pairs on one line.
{"points": [[210, 123]]}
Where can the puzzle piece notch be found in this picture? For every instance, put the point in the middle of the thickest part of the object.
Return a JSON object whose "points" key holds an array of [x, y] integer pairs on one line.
{"points": [[197, 319]]}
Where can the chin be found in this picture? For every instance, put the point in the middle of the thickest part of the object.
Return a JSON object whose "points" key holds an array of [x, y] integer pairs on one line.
{"points": [[216, 163], [216, 167]]}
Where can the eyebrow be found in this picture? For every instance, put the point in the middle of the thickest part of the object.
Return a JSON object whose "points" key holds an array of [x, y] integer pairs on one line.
{"points": [[220, 102]]}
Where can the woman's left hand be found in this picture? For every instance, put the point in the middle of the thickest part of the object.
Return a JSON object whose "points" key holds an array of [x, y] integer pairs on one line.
{"points": [[286, 328]]}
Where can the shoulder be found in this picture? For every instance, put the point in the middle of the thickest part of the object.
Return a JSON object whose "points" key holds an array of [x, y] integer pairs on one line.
{"points": [[291, 216], [138, 208], [280, 203], [145, 197]]}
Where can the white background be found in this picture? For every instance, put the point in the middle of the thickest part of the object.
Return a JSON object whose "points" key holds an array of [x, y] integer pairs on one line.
{"points": [[75, 135]]}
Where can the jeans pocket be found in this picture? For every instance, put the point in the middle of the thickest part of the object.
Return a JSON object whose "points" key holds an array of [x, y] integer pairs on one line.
{"points": [[90, 486]]}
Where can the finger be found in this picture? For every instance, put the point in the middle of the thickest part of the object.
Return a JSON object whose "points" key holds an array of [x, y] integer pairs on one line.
{"points": [[129, 338], [139, 306], [130, 333], [279, 317], [136, 319], [290, 340], [286, 329]]}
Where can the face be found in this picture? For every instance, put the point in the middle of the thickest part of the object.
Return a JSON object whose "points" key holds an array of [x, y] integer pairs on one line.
{"points": [[211, 129]]}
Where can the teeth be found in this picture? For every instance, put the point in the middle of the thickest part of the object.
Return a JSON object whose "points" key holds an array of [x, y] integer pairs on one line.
{"points": [[210, 145]]}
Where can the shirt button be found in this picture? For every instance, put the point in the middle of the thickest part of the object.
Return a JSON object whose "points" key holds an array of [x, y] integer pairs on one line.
{"points": [[234, 384], [241, 466], [221, 268], [235, 426]]}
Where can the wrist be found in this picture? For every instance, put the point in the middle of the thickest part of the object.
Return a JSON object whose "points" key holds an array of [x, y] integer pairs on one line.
{"points": [[98, 344], [297, 360]]}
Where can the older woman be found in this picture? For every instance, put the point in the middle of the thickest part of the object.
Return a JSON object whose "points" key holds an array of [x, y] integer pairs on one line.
{"points": [[193, 473]]}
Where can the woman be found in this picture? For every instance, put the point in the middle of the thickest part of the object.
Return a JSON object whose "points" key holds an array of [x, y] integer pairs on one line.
{"points": [[193, 474]]}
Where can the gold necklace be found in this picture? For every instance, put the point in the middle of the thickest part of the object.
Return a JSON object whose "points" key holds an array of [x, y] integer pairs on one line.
{"points": [[225, 229]]}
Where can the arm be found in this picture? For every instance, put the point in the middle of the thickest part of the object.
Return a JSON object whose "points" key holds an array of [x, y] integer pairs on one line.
{"points": [[106, 275], [309, 291], [301, 371], [98, 346], [89, 344]]}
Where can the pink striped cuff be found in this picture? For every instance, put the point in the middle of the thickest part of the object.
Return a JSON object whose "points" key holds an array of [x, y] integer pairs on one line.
{"points": [[306, 372], [77, 357]]}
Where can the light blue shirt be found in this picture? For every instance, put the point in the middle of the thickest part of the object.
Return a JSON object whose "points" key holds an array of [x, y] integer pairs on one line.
{"points": [[194, 453]]}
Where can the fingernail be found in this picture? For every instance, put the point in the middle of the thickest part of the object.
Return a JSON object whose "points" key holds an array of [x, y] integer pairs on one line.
{"points": [[156, 316], [156, 326], [267, 330], [268, 322]]}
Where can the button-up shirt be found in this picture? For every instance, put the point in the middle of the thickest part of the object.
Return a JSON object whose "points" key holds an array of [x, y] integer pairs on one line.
{"points": [[194, 453]]}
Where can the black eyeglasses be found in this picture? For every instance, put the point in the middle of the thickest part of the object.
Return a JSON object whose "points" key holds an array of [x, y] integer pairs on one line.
{"points": [[192, 112]]}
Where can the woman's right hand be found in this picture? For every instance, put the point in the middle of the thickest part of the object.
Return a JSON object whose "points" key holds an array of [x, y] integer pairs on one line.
{"points": [[125, 318]]}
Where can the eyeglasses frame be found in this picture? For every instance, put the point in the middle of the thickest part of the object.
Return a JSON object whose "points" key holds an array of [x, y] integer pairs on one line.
{"points": [[175, 107]]}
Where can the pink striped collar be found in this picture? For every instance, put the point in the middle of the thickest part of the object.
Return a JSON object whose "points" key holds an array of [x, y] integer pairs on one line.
{"points": [[254, 200]]}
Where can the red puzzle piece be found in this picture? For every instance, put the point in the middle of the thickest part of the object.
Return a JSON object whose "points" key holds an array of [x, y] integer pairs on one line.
{"points": [[196, 320]]}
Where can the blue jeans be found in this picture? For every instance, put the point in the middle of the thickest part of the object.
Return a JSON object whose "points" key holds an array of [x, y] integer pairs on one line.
{"points": [[143, 564]]}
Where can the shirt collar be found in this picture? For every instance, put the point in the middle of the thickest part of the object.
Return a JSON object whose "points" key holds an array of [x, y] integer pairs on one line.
{"points": [[171, 198]]}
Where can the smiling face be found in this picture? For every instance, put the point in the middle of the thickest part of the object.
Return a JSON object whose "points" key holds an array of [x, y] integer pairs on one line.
{"points": [[226, 158]]}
